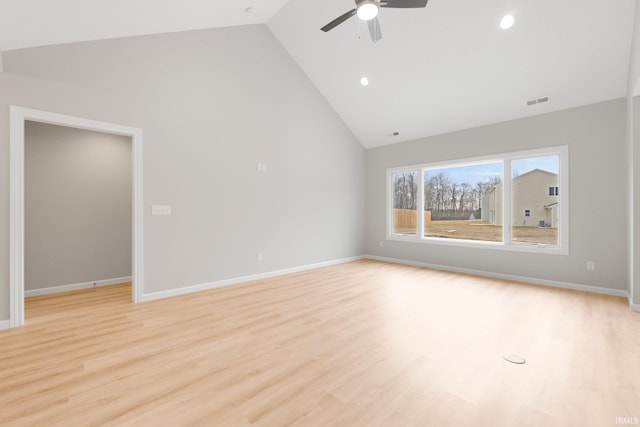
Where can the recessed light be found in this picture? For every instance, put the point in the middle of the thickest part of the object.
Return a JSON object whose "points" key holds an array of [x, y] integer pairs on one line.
{"points": [[507, 22], [364, 81]]}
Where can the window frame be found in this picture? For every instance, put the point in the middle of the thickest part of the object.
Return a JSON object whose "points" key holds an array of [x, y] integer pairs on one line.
{"points": [[562, 248]]}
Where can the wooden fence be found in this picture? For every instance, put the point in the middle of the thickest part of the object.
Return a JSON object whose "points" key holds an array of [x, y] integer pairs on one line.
{"points": [[407, 218]]}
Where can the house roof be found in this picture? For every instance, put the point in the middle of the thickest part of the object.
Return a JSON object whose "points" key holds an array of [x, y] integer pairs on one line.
{"points": [[535, 171], [439, 69]]}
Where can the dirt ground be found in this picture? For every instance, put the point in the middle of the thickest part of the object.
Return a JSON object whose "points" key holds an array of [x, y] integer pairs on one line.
{"points": [[478, 230]]}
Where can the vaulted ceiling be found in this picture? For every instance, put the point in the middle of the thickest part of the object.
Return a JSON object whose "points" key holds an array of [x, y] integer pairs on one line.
{"points": [[439, 69]]}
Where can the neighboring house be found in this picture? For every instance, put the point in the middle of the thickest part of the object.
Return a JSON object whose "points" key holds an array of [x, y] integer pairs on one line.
{"points": [[535, 201], [491, 207]]}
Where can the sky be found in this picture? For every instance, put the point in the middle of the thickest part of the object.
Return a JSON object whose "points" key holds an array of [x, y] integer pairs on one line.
{"points": [[483, 172], [548, 163]]}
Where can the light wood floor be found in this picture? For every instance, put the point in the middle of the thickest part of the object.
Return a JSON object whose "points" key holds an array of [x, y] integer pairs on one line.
{"points": [[359, 344]]}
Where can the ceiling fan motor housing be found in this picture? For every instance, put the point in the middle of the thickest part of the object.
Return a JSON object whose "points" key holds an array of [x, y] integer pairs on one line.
{"points": [[368, 10]]}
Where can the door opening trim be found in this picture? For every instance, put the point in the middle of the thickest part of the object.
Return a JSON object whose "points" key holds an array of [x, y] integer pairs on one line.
{"points": [[18, 116]]}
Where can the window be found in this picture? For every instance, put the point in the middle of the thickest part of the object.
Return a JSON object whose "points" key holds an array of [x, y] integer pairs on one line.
{"points": [[508, 201], [405, 187], [454, 197], [531, 174]]}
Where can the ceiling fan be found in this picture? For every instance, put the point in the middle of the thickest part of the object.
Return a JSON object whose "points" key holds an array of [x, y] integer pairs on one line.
{"points": [[367, 10]]}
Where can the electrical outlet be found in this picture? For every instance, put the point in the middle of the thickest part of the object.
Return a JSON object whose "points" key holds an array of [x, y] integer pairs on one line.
{"points": [[381, 244], [591, 265], [259, 256]]}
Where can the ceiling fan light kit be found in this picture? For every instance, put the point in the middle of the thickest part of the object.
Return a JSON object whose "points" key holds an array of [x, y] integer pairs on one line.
{"points": [[367, 10]]}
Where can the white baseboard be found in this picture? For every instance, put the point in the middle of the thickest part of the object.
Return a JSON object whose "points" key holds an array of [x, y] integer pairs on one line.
{"points": [[76, 286], [242, 279], [634, 307], [553, 283], [4, 324]]}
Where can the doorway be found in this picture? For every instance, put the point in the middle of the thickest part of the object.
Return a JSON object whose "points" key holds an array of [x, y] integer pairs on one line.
{"points": [[18, 117]]}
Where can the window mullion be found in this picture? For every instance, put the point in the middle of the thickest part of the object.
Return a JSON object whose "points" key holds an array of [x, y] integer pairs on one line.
{"points": [[420, 204], [506, 203], [390, 193]]}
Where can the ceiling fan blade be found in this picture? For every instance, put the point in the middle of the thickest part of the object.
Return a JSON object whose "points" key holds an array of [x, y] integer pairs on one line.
{"points": [[409, 4], [374, 29], [339, 20]]}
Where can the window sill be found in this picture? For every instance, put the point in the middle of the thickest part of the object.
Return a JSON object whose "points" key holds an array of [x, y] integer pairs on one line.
{"points": [[513, 247]]}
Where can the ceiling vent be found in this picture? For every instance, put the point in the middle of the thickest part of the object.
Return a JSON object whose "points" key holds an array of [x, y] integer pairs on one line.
{"points": [[537, 101]]}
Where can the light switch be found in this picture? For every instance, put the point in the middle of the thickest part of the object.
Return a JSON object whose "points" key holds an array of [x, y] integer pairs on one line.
{"points": [[161, 210]]}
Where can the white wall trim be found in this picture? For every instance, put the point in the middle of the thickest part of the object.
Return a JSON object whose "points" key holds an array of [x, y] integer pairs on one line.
{"points": [[18, 116], [5, 324], [530, 280], [76, 286], [242, 279]]}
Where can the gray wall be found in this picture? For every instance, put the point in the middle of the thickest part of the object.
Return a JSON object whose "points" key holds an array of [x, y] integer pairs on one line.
{"points": [[212, 104], [633, 87], [77, 206], [598, 201]]}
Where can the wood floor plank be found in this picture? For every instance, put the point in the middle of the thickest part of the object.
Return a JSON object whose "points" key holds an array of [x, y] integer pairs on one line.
{"points": [[366, 343]]}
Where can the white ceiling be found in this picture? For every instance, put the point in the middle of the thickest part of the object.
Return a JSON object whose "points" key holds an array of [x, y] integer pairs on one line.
{"points": [[28, 23], [450, 66], [443, 68]]}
